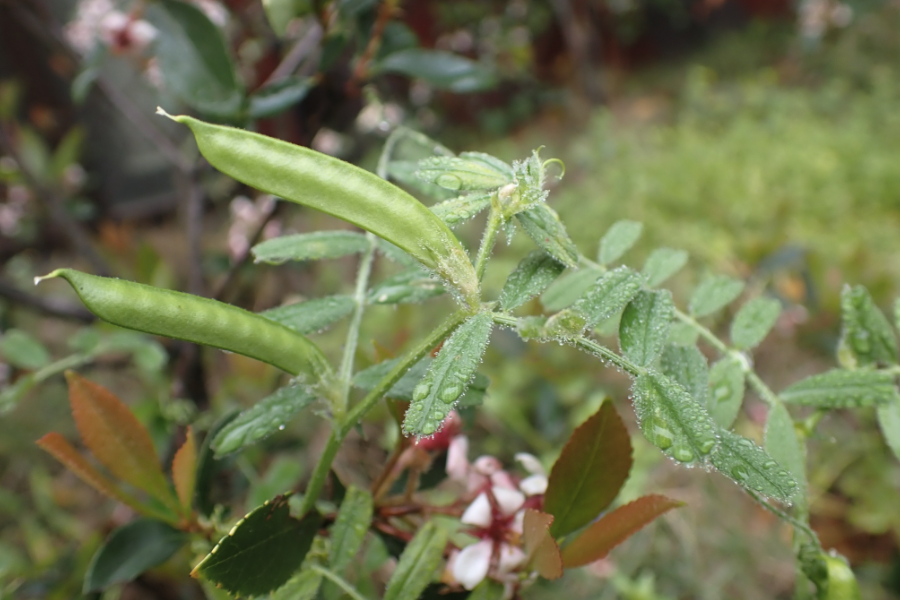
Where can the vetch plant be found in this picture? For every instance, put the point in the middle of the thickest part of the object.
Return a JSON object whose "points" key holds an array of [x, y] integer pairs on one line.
{"points": [[503, 528]]}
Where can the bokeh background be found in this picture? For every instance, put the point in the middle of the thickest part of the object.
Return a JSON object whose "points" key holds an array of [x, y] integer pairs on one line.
{"points": [[763, 136]]}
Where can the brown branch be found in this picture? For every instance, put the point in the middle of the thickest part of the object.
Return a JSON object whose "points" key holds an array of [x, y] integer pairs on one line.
{"points": [[361, 71]]}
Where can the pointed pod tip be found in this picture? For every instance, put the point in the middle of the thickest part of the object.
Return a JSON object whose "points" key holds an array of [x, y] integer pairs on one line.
{"points": [[51, 275]]}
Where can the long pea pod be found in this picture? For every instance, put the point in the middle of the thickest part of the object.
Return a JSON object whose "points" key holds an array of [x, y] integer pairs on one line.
{"points": [[196, 319], [340, 189]]}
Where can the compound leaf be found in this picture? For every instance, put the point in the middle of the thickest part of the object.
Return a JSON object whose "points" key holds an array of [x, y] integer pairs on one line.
{"points": [[569, 288], [407, 287], [714, 293], [317, 245], [542, 225], [726, 391], [784, 446], [753, 322], [608, 295], [840, 388], [662, 264], [751, 467], [618, 240], [468, 172], [686, 366], [867, 333], [459, 210], [531, 277], [644, 327], [314, 315]]}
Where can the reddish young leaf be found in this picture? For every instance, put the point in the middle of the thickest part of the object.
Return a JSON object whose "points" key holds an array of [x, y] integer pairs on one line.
{"points": [[590, 471], [118, 440], [614, 528], [184, 471], [541, 548], [62, 450]]}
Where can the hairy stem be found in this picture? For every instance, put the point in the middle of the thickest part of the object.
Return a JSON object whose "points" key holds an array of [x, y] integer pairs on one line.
{"points": [[487, 242]]}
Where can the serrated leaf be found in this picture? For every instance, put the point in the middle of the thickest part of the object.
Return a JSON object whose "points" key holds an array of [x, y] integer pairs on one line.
{"points": [[23, 350], [785, 448], [467, 172], [644, 327], [184, 471], [686, 366], [461, 209], [418, 564], [194, 59], [726, 391], [131, 550], [569, 288], [590, 471], [753, 322], [840, 388], [276, 98], [350, 527], [448, 376], [531, 277], [58, 447], [441, 69], [866, 331], [263, 419], [304, 586], [714, 293], [118, 440], [406, 287], [208, 465], [313, 315], [751, 467], [542, 225], [614, 528], [608, 295], [541, 549], [662, 264], [618, 240], [889, 422], [317, 245], [671, 419], [262, 551]]}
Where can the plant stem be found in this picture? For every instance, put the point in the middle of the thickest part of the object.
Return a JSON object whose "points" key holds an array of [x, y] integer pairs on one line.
{"points": [[786, 517], [490, 237], [337, 579], [320, 474], [359, 297]]}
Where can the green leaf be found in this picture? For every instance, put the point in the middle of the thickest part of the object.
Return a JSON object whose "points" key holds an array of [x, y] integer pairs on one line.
{"points": [[889, 422], [613, 528], [590, 471], [542, 225], [131, 550], [310, 246], [714, 293], [448, 376], [280, 13], [262, 551], [618, 240], [753, 322], [662, 264], [459, 210], [840, 388], [686, 366], [195, 319], [440, 69], [569, 288], [608, 295], [671, 419], [407, 287], [263, 419], [682, 334], [418, 564], [194, 59], [751, 467], [644, 327], [531, 277], [785, 448], [278, 97], [368, 378], [867, 333], [303, 586], [23, 350], [281, 474], [469, 171], [313, 315], [350, 527], [726, 391], [488, 589], [340, 189], [208, 465]]}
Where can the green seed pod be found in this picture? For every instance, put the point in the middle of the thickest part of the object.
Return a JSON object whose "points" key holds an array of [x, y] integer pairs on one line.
{"points": [[199, 320], [340, 189]]}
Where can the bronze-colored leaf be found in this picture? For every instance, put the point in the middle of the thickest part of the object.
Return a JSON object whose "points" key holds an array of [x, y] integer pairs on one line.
{"points": [[614, 528], [118, 440], [184, 471], [540, 547], [590, 471]]}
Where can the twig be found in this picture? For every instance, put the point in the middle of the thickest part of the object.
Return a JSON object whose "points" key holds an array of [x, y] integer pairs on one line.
{"points": [[296, 55], [242, 259], [54, 204], [385, 11], [50, 306]]}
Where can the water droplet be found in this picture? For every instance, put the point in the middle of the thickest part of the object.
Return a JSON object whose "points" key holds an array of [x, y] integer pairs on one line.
{"points": [[740, 473], [770, 464], [658, 433], [281, 428], [707, 445], [428, 428], [450, 393], [421, 392], [683, 454], [449, 182]]}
